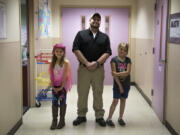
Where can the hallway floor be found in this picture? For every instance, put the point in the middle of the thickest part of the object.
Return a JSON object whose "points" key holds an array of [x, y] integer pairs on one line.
{"points": [[139, 117]]}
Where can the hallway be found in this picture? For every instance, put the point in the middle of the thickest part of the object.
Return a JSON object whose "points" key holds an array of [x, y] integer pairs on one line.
{"points": [[30, 28], [139, 116]]}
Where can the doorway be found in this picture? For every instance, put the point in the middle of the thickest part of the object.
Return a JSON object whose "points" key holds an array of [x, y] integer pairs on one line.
{"points": [[25, 54]]}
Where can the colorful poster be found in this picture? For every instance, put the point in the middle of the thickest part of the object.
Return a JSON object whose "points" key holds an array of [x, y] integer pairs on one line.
{"points": [[43, 18]]}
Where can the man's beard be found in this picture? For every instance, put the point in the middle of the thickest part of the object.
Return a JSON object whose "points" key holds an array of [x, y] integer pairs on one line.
{"points": [[94, 27]]}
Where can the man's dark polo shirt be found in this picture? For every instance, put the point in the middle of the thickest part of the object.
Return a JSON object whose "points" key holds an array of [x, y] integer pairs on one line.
{"points": [[92, 48]]}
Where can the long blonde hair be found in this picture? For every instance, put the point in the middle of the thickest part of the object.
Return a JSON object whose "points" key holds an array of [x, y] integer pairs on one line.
{"points": [[54, 60]]}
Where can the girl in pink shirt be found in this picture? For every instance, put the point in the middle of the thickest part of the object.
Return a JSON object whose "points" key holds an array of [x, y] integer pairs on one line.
{"points": [[61, 83]]}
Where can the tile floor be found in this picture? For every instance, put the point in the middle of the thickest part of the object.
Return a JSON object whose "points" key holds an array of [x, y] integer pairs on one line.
{"points": [[139, 117]]}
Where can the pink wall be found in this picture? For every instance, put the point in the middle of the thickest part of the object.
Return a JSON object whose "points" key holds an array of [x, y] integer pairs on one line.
{"points": [[71, 24]]}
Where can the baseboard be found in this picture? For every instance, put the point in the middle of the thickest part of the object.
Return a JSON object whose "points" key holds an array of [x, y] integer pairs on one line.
{"points": [[170, 128], [15, 128], [142, 93]]}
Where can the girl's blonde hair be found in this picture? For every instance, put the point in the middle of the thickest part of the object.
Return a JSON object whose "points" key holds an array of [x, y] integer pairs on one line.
{"points": [[126, 45], [54, 59]]}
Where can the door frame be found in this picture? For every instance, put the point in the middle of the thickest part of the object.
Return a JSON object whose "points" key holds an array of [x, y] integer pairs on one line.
{"points": [[27, 70]]}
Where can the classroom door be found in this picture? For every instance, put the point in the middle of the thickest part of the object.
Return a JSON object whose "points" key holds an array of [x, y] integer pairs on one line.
{"points": [[160, 57], [114, 22]]}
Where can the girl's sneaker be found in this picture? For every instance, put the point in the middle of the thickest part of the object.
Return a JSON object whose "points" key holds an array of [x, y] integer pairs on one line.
{"points": [[121, 122], [110, 123]]}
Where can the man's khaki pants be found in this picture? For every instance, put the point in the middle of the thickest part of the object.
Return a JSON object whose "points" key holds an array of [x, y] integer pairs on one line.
{"points": [[96, 80]]}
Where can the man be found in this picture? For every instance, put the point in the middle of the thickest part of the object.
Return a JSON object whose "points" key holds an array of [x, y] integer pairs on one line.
{"points": [[92, 48]]}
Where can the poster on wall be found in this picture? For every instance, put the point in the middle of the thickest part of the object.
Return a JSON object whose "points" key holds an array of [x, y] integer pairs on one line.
{"points": [[44, 18], [174, 28], [2, 21]]}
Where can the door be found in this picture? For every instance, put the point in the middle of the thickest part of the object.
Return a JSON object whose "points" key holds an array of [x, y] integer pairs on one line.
{"points": [[25, 54], [160, 57], [114, 22]]}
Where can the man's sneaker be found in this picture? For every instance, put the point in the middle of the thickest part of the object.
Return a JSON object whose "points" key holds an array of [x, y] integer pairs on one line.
{"points": [[79, 120], [121, 122], [110, 123], [101, 122]]}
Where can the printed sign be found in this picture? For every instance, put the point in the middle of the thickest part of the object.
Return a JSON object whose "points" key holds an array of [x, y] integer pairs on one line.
{"points": [[174, 30]]}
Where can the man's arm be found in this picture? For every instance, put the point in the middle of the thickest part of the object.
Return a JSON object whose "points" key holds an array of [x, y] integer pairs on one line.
{"points": [[107, 52], [81, 57], [103, 58], [89, 65], [77, 52]]}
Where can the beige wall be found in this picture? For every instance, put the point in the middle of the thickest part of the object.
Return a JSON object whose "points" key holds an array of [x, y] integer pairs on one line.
{"points": [[10, 70], [172, 109], [144, 65], [144, 43], [145, 19], [13, 32]]}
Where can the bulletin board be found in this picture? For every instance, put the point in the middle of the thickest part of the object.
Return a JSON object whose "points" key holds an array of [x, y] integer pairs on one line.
{"points": [[174, 28]]}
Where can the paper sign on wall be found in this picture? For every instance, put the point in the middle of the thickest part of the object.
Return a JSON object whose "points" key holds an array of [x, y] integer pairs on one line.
{"points": [[174, 28]]}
